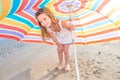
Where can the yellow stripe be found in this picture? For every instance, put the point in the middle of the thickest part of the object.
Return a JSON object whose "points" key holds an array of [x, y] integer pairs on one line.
{"points": [[89, 4], [52, 2], [97, 29], [35, 31], [6, 5], [15, 24], [101, 28], [117, 22]]}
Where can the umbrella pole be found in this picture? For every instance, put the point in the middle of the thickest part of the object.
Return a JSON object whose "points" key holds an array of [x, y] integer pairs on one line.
{"points": [[76, 63], [75, 55]]}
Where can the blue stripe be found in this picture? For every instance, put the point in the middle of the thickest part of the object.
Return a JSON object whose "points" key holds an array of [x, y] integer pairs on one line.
{"points": [[42, 5], [36, 28], [15, 6], [12, 33], [93, 25], [96, 4], [97, 24], [20, 19], [79, 29], [76, 15]]}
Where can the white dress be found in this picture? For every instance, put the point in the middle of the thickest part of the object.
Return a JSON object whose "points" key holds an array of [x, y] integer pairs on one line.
{"points": [[64, 36]]}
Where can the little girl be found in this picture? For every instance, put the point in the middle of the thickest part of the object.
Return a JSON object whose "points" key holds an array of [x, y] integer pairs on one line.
{"points": [[59, 31]]}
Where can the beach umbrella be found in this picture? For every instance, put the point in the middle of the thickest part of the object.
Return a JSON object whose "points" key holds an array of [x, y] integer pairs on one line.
{"points": [[94, 20]]}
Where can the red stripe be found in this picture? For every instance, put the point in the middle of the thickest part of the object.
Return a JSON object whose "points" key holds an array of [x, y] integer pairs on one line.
{"points": [[99, 33], [23, 5], [9, 37], [99, 41], [91, 22], [94, 21], [37, 41], [83, 3], [35, 7], [12, 28], [102, 5], [104, 40], [57, 3]]}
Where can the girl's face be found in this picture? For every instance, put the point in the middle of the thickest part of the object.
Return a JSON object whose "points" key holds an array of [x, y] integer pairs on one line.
{"points": [[44, 20]]}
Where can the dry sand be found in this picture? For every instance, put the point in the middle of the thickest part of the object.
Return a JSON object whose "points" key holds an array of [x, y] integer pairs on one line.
{"points": [[26, 61]]}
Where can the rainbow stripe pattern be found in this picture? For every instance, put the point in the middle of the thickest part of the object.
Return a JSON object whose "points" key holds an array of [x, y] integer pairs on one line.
{"points": [[94, 20]]}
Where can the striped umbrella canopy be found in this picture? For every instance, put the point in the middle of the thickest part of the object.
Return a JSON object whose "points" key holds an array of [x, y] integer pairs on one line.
{"points": [[17, 20], [94, 20]]}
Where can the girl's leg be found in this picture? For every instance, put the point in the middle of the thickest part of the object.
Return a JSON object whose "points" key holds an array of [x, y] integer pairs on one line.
{"points": [[60, 56], [66, 53]]}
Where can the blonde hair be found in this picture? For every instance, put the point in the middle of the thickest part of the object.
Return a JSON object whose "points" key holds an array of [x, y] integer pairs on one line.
{"points": [[54, 22]]}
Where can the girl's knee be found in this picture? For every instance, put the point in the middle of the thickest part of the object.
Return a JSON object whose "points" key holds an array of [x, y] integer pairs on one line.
{"points": [[59, 50]]}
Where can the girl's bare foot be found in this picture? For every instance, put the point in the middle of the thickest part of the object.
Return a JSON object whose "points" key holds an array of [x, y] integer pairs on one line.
{"points": [[67, 67], [59, 67]]}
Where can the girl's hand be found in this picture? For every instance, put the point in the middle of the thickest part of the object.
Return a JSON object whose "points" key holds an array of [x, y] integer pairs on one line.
{"points": [[68, 26], [72, 28], [58, 44], [59, 47]]}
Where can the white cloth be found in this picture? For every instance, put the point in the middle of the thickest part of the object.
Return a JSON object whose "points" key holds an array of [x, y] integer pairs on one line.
{"points": [[64, 36]]}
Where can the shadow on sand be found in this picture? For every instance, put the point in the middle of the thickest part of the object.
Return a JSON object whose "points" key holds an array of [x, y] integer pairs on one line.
{"points": [[52, 75]]}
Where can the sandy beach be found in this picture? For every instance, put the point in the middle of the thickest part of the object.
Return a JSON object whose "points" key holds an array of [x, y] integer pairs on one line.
{"points": [[31, 61]]}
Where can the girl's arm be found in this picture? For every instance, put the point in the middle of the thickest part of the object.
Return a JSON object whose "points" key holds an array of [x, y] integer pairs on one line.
{"points": [[67, 26], [53, 38]]}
